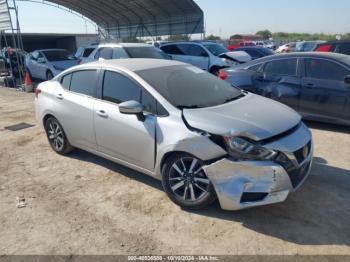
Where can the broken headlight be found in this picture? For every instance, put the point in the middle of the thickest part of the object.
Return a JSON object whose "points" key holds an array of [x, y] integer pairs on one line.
{"points": [[242, 149]]}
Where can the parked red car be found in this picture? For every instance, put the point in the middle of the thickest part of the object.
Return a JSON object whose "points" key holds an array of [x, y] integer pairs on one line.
{"points": [[342, 47], [234, 44]]}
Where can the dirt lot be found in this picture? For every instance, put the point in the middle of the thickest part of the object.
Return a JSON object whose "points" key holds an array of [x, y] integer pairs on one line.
{"points": [[82, 204]]}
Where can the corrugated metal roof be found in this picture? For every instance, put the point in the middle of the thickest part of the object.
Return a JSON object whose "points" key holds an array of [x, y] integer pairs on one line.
{"points": [[130, 18]]}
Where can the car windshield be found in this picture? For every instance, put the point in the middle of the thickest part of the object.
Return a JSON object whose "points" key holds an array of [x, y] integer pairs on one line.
{"points": [[58, 55], [216, 49], [189, 87], [144, 52]]}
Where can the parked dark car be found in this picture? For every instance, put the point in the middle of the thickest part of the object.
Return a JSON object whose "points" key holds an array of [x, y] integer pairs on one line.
{"points": [[256, 52], [315, 84], [342, 47]]}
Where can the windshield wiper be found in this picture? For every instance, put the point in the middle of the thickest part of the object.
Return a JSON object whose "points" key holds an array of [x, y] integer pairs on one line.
{"points": [[234, 98], [187, 107]]}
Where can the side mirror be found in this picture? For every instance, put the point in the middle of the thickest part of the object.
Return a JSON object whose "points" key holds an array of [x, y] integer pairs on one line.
{"points": [[41, 60], [132, 108], [347, 80]]}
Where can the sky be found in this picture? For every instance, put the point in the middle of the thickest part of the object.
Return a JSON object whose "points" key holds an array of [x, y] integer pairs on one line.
{"points": [[222, 17]]}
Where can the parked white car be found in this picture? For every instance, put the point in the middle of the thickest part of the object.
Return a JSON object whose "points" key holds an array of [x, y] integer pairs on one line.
{"points": [[46, 64], [202, 137], [124, 50], [208, 56]]}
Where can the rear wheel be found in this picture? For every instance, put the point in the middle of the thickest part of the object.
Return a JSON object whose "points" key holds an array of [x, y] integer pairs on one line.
{"points": [[186, 183], [56, 136]]}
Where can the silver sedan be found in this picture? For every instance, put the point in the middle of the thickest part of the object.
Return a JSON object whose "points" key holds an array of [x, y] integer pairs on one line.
{"points": [[203, 138]]}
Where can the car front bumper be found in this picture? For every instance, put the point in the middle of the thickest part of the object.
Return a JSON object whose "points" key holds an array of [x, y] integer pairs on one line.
{"points": [[246, 184]]}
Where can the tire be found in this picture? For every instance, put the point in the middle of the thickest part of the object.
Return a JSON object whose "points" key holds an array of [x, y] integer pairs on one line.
{"points": [[191, 189], [215, 70], [49, 75], [56, 137]]}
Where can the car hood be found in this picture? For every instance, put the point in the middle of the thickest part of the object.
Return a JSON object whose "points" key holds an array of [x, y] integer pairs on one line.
{"points": [[252, 116], [63, 65], [240, 56]]}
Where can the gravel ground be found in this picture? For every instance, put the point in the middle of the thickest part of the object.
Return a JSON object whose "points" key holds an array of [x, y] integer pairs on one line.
{"points": [[83, 204]]}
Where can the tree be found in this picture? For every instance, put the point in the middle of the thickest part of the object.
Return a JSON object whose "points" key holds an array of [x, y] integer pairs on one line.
{"points": [[266, 34], [213, 38]]}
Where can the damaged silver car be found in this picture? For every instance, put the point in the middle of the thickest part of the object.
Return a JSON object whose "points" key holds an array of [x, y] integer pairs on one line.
{"points": [[203, 138]]}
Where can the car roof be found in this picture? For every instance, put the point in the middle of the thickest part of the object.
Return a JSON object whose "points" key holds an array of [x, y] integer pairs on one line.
{"points": [[345, 59], [345, 41], [124, 45], [132, 64]]}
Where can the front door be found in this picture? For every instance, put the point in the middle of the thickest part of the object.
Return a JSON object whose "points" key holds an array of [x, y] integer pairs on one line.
{"points": [[324, 91], [123, 136]]}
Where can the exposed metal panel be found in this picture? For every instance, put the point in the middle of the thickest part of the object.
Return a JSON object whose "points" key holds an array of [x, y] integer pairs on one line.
{"points": [[5, 20], [130, 18]]}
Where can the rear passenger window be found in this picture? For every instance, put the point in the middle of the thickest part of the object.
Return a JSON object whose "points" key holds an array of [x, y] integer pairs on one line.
{"points": [[282, 67], [117, 88], [65, 82], [324, 69], [344, 49], [84, 82], [119, 53]]}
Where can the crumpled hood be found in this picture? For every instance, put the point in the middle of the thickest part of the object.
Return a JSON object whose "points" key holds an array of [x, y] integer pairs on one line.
{"points": [[240, 56], [253, 116], [63, 65]]}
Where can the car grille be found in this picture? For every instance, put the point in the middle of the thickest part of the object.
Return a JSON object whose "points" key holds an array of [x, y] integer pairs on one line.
{"points": [[297, 175], [303, 153]]}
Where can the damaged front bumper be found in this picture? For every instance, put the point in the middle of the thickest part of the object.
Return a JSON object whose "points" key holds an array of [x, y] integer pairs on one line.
{"points": [[246, 184]]}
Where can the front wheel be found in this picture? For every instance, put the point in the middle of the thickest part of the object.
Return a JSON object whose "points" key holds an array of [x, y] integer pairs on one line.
{"points": [[186, 183], [49, 75]]}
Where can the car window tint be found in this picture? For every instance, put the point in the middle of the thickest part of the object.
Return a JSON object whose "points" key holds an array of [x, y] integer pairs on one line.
{"points": [[104, 53], [119, 53], [324, 69], [65, 82], [254, 53], [344, 48], [117, 88], [88, 51], [184, 49], [172, 49], [282, 67], [84, 82], [255, 68], [195, 50], [149, 102]]}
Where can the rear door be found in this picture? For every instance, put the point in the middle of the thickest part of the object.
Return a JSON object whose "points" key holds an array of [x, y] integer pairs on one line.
{"points": [[280, 80], [124, 136], [75, 103], [324, 92]]}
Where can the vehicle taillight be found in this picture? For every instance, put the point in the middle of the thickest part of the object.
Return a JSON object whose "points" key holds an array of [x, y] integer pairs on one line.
{"points": [[37, 92], [223, 75]]}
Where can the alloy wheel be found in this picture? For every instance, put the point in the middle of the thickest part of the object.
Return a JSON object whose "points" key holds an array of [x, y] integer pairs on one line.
{"points": [[188, 180], [55, 135]]}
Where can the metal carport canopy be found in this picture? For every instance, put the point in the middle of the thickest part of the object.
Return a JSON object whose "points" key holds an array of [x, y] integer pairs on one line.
{"points": [[131, 18]]}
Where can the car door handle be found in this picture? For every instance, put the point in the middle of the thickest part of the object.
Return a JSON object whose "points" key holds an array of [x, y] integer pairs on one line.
{"points": [[102, 113], [59, 96], [309, 85]]}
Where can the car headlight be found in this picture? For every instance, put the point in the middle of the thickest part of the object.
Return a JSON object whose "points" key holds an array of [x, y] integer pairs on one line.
{"points": [[229, 62], [242, 149]]}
